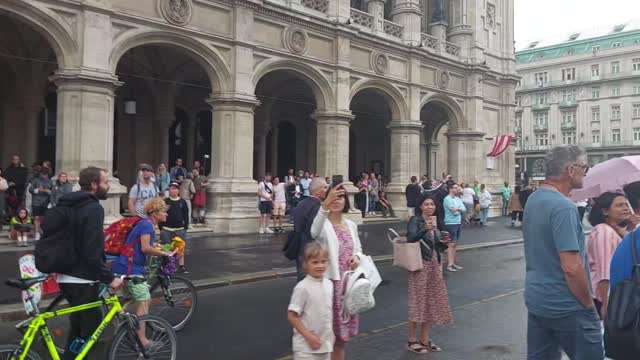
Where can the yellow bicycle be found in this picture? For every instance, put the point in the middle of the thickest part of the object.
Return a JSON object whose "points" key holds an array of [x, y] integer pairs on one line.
{"points": [[126, 343]]}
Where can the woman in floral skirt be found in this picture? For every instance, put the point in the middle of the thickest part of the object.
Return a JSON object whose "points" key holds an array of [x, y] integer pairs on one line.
{"points": [[340, 236], [428, 298]]}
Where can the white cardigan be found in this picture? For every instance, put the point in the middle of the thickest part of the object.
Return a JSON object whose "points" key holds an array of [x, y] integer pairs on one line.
{"points": [[323, 232]]}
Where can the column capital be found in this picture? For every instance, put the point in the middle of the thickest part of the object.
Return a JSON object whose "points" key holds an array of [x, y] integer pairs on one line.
{"points": [[233, 102], [465, 135], [85, 79], [406, 8], [333, 117], [403, 126]]}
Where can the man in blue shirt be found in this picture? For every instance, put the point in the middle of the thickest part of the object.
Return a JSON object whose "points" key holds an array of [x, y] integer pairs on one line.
{"points": [[453, 210], [622, 260], [557, 286]]}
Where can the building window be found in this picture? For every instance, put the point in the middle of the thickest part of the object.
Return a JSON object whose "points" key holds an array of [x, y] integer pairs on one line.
{"points": [[568, 137], [595, 92], [636, 134], [616, 44], [636, 110], [615, 91], [518, 120], [615, 112], [542, 98], [568, 117], [595, 70], [542, 139], [541, 78], [542, 118], [569, 74], [518, 101], [595, 48], [615, 135], [615, 67], [595, 114], [595, 136], [635, 64], [636, 89], [569, 95]]}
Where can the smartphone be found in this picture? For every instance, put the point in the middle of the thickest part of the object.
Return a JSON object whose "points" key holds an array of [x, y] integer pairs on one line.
{"points": [[433, 220], [336, 180], [624, 223]]}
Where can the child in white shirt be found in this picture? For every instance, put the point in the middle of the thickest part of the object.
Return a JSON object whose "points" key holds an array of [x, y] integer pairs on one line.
{"points": [[310, 310]]}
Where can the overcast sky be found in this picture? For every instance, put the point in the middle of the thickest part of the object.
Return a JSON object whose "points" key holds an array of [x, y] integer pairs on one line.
{"points": [[535, 19]]}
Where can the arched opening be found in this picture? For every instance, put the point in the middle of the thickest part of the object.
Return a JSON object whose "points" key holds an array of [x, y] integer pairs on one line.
{"points": [[285, 132], [369, 149], [28, 100], [437, 118], [161, 109]]}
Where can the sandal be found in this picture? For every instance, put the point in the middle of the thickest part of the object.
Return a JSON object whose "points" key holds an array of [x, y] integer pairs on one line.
{"points": [[431, 347], [417, 350]]}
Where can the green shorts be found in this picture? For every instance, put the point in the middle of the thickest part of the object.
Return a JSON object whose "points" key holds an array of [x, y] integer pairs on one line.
{"points": [[138, 292]]}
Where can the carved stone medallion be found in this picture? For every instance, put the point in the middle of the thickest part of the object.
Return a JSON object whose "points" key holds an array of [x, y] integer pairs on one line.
{"points": [[296, 40], [443, 78], [379, 62], [177, 12]]}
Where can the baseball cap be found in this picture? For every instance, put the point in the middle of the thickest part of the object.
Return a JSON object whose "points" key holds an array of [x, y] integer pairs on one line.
{"points": [[175, 185], [146, 167]]}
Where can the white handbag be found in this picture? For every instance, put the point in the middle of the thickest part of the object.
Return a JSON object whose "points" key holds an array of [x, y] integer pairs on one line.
{"points": [[371, 271], [357, 294]]}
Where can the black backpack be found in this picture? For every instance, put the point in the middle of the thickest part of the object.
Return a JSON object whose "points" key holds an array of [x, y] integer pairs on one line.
{"points": [[56, 251]]}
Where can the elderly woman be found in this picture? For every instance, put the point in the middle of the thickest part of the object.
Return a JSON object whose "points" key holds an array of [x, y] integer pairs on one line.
{"points": [[340, 237], [428, 299], [609, 217]]}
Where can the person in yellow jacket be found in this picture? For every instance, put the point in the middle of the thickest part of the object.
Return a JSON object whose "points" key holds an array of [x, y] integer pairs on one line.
{"points": [[21, 227]]}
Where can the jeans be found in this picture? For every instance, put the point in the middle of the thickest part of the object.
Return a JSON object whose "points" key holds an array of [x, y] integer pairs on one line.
{"points": [[83, 323], [516, 214], [505, 207], [300, 274], [485, 216], [578, 334]]}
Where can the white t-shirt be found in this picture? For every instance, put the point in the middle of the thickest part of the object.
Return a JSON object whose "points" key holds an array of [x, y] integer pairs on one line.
{"points": [[312, 300], [265, 190], [485, 199], [467, 195], [279, 193], [145, 193]]}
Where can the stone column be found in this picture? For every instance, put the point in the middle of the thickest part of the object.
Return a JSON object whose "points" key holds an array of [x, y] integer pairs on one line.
{"points": [[333, 143], [231, 198], [433, 159], [189, 137], [274, 152], [438, 25], [405, 161], [376, 9], [466, 159], [165, 117], [32, 109], [84, 134], [260, 153], [339, 10], [407, 13]]}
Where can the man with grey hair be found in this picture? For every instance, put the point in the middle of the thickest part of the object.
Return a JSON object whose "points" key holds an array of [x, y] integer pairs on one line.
{"points": [[303, 217], [558, 293]]}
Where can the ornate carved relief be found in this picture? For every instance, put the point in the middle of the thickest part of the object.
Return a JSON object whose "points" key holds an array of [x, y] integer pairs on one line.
{"points": [[379, 62], [442, 78], [491, 15], [296, 39], [177, 12]]}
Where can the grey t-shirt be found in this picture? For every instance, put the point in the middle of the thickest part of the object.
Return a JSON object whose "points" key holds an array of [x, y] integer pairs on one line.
{"points": [[144, 193], [551, 226]]}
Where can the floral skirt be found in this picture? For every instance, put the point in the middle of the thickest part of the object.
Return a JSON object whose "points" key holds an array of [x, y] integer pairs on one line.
{"points": [[427, 295]]}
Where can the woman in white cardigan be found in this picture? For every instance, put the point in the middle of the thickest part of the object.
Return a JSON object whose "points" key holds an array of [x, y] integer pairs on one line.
{"points": [[340, 236]]}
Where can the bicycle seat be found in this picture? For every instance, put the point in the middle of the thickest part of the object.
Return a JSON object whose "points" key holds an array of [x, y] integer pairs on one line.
{"points": [[25, 284]]}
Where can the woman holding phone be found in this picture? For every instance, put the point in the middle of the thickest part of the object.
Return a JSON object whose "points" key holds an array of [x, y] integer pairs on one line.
{"points": [[428, 298]]}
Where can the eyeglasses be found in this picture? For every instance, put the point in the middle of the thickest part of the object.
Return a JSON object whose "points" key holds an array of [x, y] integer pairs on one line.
{"points": [[585, 168]]}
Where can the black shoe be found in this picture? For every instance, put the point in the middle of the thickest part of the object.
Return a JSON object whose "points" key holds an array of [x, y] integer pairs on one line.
{"points": [[183, 270]]}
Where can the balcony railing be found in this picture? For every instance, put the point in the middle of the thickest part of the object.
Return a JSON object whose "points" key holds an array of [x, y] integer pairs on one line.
{"points": [[451, 48], [393, 29], [539, 107], [541, 127], [362, 18], [317, 5], [429, 41], [517, 129], [568, 125], [568, 103]]}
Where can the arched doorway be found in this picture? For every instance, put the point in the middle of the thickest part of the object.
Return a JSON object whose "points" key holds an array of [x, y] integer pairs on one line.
{"points": [[285, 132], [28, 101], [370, 142], [437, 116], [157, 108]]}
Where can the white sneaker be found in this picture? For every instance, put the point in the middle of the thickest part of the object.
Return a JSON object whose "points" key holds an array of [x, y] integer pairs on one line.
{"points": [[261, 231], [457, 267], [36, 238], [268, 231], [451, 268]]}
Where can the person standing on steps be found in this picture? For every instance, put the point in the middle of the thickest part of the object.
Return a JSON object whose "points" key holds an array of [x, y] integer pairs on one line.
{"points": [[178, 170], [177, 220], [60, 188], [279, 203], [265, 197], [145, 189], [454, 208], [40, 189], [558, 294]]}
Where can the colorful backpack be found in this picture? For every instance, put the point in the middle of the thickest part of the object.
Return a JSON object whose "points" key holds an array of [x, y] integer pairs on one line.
{"points": [[115, 236]]}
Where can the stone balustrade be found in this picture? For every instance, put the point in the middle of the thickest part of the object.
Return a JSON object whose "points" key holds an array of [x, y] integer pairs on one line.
{"points": [[362, 18], [429, 41], [318, 5], [451, 48], [393, 29]]}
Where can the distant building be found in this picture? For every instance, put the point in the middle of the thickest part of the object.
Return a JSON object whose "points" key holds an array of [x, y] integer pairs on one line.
{"points": [[582, 89]]}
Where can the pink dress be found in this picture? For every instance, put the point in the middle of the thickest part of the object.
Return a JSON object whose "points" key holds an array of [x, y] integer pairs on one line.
{"points": [[602, 243], [343, 332]]}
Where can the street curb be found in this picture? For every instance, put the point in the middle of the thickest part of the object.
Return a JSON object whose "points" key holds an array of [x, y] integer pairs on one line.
{"points": [[15, 312]]}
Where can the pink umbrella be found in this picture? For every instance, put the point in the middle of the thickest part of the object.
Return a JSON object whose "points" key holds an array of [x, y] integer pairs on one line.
{"points": [[611, 175]]}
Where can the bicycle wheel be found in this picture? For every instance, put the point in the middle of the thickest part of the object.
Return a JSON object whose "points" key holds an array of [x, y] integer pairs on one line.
{"points": [[125, 343], [177, 305], [6, 352]]}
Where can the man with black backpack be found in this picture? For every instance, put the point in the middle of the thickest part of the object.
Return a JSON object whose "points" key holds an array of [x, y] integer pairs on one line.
{"points": [[73, 247]]}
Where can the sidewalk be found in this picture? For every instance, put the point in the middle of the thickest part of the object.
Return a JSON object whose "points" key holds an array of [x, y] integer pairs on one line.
{"points": [[223, 260]]}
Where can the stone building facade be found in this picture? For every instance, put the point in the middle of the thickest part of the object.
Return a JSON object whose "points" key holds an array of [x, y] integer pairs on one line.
{"points": [[402, 87], [581, 89]]}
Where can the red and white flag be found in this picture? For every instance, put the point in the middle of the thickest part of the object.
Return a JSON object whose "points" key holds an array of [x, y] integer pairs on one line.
{"points": [[501, 145]]}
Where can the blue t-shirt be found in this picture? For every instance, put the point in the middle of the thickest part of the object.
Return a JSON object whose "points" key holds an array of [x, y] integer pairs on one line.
{"points": [[622, 261], [551, 226], [121, 265], [453, 217]]}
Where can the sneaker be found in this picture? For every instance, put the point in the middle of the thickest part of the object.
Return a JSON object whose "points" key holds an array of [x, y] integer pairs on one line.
{"points": [[451, 268], [37, 236], [183, 270], [268, 231], [261, 231], [457, 267], [513, 223]]}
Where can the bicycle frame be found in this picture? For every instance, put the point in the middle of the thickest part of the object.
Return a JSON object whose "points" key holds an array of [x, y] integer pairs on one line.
{"points": [[39, 324]]}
